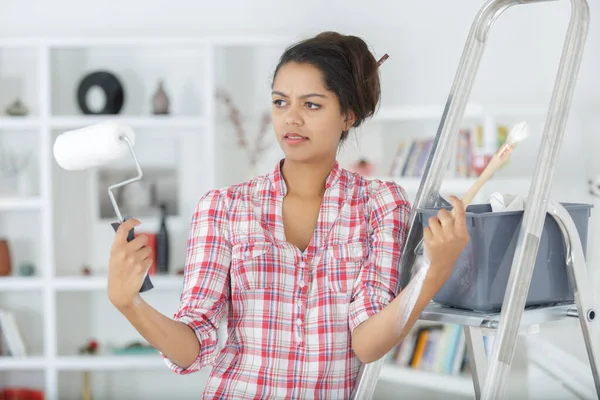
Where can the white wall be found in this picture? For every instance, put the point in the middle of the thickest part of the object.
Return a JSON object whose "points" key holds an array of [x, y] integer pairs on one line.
{"points": [[423, 38]]}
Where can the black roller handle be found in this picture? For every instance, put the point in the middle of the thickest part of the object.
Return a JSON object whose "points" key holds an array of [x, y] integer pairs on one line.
{"points": [[147, 284]]}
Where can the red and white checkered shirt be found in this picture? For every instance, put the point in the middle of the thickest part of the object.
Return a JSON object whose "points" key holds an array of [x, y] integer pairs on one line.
{"points": [[290, 314]]}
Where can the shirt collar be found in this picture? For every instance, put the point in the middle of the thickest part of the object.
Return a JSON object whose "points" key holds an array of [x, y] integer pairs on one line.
{"points": [[276, 177]]}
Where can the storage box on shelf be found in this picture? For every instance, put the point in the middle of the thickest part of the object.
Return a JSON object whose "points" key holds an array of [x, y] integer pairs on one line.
{"points": [[68, 217]]}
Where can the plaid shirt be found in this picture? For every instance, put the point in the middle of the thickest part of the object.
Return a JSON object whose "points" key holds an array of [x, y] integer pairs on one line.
{"points": [[290, 314]]}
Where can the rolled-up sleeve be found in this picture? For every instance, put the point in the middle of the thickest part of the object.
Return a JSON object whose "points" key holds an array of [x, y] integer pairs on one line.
{"points": [[206, 278], [379, 278]]}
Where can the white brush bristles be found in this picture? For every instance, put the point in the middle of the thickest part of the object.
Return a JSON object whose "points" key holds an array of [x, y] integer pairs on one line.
{"points": [[518, 133]]}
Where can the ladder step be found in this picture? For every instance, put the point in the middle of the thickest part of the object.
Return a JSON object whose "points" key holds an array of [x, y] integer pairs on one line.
{"points": [[531, 316]]}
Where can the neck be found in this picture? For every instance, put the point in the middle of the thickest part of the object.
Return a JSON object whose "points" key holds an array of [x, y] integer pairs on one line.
{"points": [[304, 179]]}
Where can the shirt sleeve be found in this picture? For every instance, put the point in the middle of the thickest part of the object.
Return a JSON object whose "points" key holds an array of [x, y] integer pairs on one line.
{"points": [[205, 291], [379, 279]]}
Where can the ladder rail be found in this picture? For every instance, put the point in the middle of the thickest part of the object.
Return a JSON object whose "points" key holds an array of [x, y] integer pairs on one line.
{"points": [[583, 291], [428, 192], [527, 247], [438, 161]]}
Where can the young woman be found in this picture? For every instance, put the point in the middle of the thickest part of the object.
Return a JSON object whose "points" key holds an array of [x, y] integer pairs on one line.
{"points": [[302, 262]]}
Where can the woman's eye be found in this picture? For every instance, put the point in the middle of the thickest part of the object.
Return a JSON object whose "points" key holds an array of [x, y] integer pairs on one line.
{"points": [[278, 102], [312, 106]]}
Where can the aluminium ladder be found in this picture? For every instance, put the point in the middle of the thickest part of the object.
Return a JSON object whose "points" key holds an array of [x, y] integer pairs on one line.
{"points": [[490, 375]]}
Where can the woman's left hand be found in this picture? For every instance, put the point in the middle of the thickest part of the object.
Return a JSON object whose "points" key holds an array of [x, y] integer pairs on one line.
{"points": [[445, 238]]}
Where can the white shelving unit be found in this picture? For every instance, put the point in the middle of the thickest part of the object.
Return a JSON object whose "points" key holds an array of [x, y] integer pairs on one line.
{"points": [[57, 227]]}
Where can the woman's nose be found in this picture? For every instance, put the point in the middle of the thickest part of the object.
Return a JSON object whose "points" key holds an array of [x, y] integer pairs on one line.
{"points": [[292, 117]]}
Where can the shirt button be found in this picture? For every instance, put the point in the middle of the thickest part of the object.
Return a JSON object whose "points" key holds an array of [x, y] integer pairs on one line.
{"points": [[298, 322], [247, 254], [302, 264], [299, 303], [301, 283]]}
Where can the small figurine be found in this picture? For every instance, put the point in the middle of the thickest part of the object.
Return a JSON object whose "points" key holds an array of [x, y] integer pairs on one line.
{"points": [[26, 269], [17, 109], [90, 348]]}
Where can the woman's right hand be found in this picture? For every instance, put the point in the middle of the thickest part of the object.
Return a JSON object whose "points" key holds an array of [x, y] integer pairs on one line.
{"points": [[128, 265]]}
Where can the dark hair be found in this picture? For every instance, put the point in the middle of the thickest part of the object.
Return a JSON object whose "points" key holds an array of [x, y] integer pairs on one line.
{"points": [[349, 70]]}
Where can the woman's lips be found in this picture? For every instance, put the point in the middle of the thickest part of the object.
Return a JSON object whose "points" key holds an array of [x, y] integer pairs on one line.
{"points": [[294, 138]]}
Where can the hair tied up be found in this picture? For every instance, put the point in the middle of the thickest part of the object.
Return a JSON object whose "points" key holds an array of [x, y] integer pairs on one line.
{"points": [[382, 60]]}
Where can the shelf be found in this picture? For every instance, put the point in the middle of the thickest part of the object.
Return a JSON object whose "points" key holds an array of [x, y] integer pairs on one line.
{"points": [[18, 283], [462, 385], [19, 123], [145, 41], [408, 112], [411, 185], [455, 185], [19, 203], [47, 72], [21, 363], [96, 283], [109, 362], [154, 121], [472, 111]]}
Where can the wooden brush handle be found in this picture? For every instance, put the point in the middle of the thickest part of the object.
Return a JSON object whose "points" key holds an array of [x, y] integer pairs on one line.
{"points": [[489, 171]]}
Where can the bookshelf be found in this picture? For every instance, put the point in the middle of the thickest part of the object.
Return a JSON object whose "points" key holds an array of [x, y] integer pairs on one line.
{"points": [[57, 226]]}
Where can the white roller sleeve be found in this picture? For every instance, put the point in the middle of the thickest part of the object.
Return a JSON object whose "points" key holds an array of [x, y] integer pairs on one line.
{"points": [[92, 146]]}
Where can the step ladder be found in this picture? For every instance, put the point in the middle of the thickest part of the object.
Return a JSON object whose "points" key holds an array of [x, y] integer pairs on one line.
{"points": [[490, 375]]}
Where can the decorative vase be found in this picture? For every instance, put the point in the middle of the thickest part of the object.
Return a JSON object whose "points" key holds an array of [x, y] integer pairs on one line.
{"points": [[5, 261], [160, 100]]}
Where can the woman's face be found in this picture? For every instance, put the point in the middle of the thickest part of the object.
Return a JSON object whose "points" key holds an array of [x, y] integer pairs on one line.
{"points": [[306, 117]]}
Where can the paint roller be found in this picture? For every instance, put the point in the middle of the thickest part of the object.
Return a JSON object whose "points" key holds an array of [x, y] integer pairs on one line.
{"points": [[97, 145]]}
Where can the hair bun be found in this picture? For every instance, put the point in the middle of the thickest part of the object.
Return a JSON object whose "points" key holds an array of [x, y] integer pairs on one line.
{"points": [[365, 72]]}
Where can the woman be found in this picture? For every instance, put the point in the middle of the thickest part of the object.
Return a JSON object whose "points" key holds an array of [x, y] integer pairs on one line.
{"points": [[303, 262]]}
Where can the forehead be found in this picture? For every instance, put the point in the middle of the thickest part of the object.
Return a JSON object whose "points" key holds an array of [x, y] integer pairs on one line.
{"points": [[296, 78]]}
